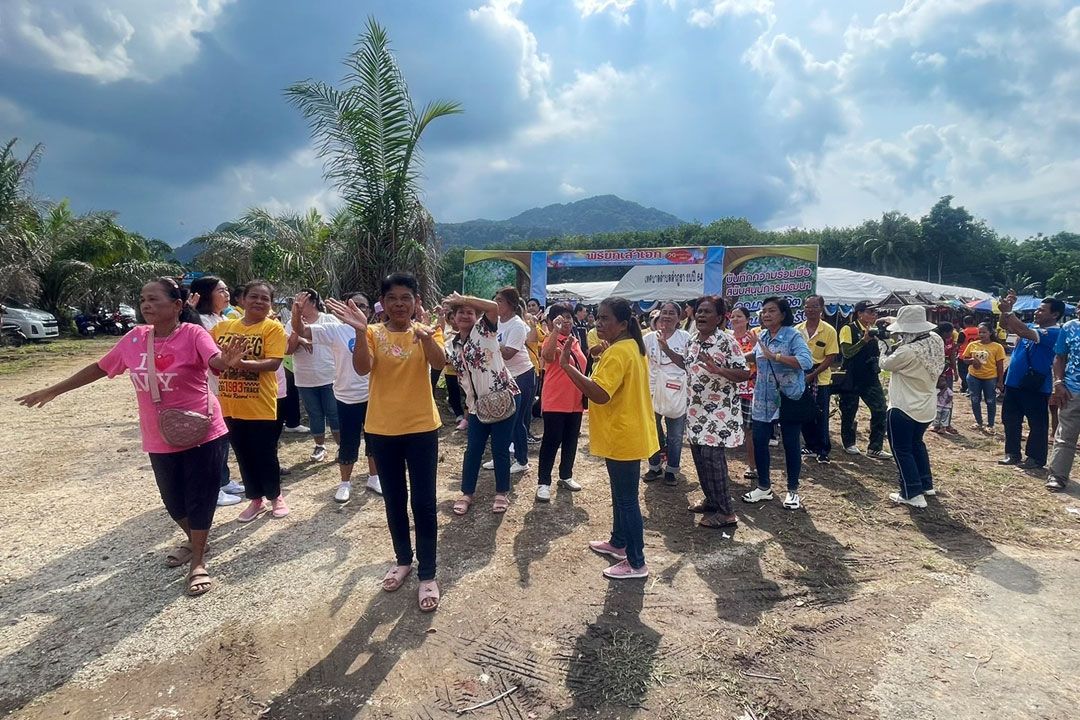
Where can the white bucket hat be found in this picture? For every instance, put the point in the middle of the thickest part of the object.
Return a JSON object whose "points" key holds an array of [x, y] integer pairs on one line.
{"points": [[911, 319]]}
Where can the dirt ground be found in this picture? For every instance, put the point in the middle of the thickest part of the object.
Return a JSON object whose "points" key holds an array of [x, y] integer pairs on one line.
{"points": [[852, 608]]}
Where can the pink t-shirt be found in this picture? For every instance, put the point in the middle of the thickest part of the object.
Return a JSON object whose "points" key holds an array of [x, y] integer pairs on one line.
{"points": [[182, 364]]}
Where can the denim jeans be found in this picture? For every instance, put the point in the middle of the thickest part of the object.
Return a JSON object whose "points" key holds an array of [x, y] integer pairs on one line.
{"points": [[478, 435], [676, 428], [816, 432], [978, 390], [321, 406], [627, 529], [909, 451], [526, 383], [789, 432]]}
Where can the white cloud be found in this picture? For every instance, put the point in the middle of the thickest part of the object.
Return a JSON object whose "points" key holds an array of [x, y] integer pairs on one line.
{"points": [[718, 9], [571, 190], [616, 8], [127, 39], [500, 17], [823, 23]]}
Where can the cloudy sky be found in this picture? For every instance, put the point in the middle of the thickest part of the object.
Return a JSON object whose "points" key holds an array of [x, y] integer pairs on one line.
{"points": [[787, 112]]}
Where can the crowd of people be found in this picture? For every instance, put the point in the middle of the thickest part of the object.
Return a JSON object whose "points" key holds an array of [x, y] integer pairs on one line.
{"points": [[209, 370]]}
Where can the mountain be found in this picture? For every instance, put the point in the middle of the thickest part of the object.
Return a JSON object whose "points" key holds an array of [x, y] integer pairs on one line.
{"points": [[600, 214]]}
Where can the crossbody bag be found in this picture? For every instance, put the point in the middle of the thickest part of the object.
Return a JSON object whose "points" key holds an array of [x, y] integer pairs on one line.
{"points": [[179, 428]]}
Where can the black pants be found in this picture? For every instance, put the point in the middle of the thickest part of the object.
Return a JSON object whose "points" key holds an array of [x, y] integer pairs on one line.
{"points": [[1017, 406], [290, 404], [453, 396], [561, 430], [352, 417], [419, 454], [874, 397], [255, 445], [189, 480]]}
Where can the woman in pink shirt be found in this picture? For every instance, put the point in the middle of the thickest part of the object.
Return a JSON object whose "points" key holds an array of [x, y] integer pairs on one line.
{"points": [[187, 477]]}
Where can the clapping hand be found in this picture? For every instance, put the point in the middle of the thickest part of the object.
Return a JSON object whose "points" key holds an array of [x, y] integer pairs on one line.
{"points": [[233, 350], [422, 332], [348, 313], [567, 354], [709, 363]]}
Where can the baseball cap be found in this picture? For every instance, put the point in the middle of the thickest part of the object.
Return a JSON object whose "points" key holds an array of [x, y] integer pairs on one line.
{"points": [[864, 305]]}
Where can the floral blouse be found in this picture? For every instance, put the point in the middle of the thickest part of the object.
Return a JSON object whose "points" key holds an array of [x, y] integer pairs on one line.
{"points": [[479, 362], [747, 343], [714, 412]]}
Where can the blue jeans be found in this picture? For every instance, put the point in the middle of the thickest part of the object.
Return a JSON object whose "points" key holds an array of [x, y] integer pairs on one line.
{"points": [[909, 451], [816, 432], [526, 383], [478, 435], [628, 529], [789, 432], [676, 427], [321, 408], [983, 389]]}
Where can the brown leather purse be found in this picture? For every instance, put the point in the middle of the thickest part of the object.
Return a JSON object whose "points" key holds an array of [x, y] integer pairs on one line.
{"points": [[179, 428]]}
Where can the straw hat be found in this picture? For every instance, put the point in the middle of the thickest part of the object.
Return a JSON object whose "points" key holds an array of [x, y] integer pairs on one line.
{"points": [[911, 319]]}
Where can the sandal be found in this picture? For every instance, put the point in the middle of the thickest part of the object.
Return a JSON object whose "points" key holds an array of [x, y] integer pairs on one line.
{"points": [[501, 504], [199, 582], [713, 522], [395, 577], [463, 504], [429, 596], [701, 507], [179, 555]]}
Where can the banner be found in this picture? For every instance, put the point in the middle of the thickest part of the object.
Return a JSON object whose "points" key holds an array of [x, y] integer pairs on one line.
{"points": [[752, 274]]}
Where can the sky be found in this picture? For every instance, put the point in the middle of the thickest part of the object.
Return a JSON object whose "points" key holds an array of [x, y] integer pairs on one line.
{"points": [[791, 113]]}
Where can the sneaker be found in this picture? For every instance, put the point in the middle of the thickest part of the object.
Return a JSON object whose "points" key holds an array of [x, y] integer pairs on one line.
{"points": [[1053, 483], [1009, 460], [623, 571], [517, 468], [234, 488], [792, 501], [344, 491], [224, 498], [930, 493], [543, 493], [1028, 464], [917, 502], [807, 451], [278, 508], [774, 442], [757, 495], [318, 454], [489, 465], [750, 474], [463, 424], [879, 454], [374, 485], [606, 548], [852, 450], [652, 474], [252, 511], [297, 429], [671, 478], [824, 459], [569, 484], [533, 440]]}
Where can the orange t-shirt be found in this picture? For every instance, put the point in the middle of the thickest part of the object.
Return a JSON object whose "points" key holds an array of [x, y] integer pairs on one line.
{"points": [[970, 335], [559, 393]]}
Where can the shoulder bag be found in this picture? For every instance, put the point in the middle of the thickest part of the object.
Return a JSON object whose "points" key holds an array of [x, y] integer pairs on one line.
{"points": [[795, 410], [179, 428], [1033, 380], [494, 406]]}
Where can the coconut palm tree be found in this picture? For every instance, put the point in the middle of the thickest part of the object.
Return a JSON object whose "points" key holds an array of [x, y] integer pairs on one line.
{"points": [[368, 133], [20, 224]]}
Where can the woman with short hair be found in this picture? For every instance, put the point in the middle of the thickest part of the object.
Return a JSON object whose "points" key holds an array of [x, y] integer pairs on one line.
{"points": [[739, 322], [314, 370], [560, 403]]}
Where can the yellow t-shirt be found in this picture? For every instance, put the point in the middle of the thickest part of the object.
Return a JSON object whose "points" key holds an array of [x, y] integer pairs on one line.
{"points": [[248, 395], [534, 347], [823, 343], [400, 400], [592, 338], [989, 353], [624, 427]]}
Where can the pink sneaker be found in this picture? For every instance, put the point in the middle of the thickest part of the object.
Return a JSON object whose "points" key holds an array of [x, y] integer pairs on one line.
{"points": [[278, 507], [252, 511], [623, 571], [606, 548], [464, 424]]}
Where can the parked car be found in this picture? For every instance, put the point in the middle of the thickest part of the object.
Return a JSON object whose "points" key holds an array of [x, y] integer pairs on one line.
{"points": [[34, 324]]}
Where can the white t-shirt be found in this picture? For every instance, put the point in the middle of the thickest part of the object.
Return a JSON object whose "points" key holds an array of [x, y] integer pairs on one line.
{"points": [[315, 368], [660, 365], [512, 334], [209, 320], [340, 339]]}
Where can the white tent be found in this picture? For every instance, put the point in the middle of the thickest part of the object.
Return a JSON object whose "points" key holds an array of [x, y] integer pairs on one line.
{"points": [[837, 286]]}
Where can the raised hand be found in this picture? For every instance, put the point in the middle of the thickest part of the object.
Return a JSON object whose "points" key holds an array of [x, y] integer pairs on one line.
{"points": [[422, 332], [710, 364], [348, 313], [1006, 304], [233, 350], [193, 300], [567, 354], [454, 298], [299, 302]]}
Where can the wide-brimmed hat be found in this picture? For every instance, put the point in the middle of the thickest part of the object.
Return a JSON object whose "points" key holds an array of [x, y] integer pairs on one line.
{"points": [[911, 319]]}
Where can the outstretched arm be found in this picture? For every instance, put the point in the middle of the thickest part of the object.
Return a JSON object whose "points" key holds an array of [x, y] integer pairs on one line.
{"points": [[87, 375]]}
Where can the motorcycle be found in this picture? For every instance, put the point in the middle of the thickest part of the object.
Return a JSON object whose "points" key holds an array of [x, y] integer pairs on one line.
{"points": [[85, 325], [108, 324], [10, 332]]}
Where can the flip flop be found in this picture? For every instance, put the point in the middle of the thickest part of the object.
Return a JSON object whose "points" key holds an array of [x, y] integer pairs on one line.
{"points": [[179, 555], [395, 577], [462, 505], [199, 582], [701, 507], [710, 522], [429, 590], [501, 504]]}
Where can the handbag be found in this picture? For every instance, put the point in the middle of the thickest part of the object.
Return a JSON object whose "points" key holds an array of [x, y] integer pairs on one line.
{"points": [[179, 428], [494, 406], [795, 410], [1033, 380]]}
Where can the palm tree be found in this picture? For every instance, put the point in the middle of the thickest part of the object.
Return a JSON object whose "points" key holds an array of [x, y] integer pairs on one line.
{"points": [[20, 224], [368, 133]]}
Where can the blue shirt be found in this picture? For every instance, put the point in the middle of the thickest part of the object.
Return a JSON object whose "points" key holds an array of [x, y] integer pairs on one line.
{"points": [[1037, 356], [1068, 343], [787, 341]]}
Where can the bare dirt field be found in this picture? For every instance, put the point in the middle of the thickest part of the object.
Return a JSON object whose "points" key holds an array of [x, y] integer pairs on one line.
{"points": [[852, 608]]}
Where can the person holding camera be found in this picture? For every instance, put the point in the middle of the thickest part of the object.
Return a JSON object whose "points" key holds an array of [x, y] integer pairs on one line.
{"points": [[858, 380], [915, 361]]}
